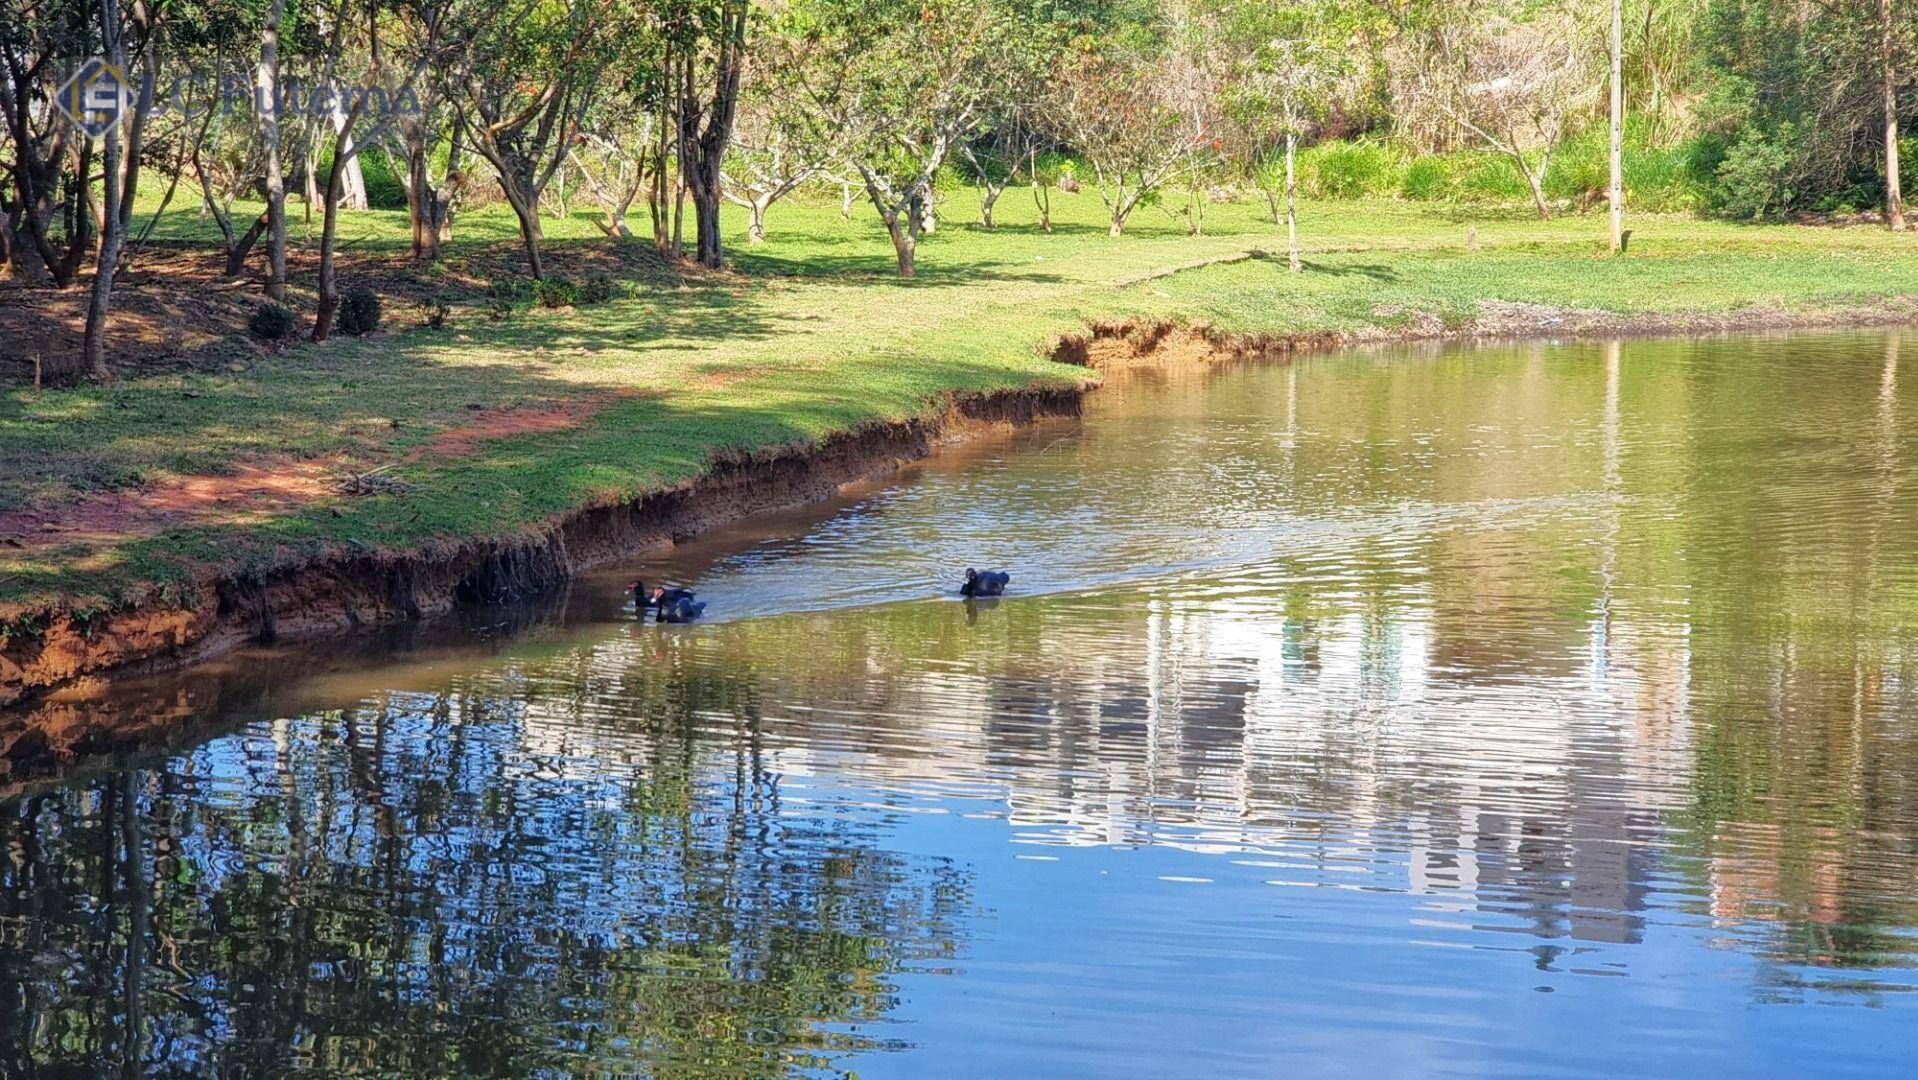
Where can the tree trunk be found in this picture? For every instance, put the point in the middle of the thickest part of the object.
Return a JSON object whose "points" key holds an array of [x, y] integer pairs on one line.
{"points": [[529, 232], [268, 107], [905, 242], [1894, 195], [703, 151], [756, 227], [1616, 191], [112, 223], [352, 180], [1041, 193], [1291, 201], [343, 156], [238, 250], [1535, 181], [991, 196]]}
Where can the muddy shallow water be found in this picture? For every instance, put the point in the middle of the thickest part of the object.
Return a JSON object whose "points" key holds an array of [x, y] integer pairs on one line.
{"points": [[1537, 710]]}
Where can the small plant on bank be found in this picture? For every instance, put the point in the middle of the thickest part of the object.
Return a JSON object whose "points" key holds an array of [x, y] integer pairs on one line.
{"points": [[271, 321], [597, 288], [359, 312], [556, 292], [437, 311]]}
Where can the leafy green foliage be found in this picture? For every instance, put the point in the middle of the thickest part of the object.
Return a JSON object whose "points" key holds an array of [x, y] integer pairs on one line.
{"points": [[271, 321], [557, 291], [359, 312], [1351, 170]]}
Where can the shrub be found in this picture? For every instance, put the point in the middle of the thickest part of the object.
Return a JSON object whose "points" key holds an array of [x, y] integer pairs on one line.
{"points": [[1492, 177], [1350, 170], [597, 288], [1753, 181], [381, 171], [556, 292], [1581, 167], [1430, 178], [271, 321], [359, 312]]}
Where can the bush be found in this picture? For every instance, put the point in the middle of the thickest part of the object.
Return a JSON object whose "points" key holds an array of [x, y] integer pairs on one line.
{"points": [[1350, 170], [271, 321], [509, 289], [597, 288], [1492, 177], [1753, 180], [381, 171], [1430, 178], [359, 312], [1581, 167], [556, 292]]}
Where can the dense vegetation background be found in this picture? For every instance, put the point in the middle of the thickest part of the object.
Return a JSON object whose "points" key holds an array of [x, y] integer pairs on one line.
{"points": [[1742, 108]]}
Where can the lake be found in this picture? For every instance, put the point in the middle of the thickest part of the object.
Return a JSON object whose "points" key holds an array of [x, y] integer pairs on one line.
{"points": [[1546, 709]]}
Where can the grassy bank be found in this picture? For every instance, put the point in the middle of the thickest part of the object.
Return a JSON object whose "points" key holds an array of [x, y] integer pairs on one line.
{"points": [[487, 428]]}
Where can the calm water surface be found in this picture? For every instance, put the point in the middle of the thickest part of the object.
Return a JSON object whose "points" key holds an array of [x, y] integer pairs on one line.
{"points": [[1541, 711]]}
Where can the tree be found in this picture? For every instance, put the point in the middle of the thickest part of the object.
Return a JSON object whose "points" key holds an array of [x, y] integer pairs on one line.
{"points": [[1887, 63], [267, 106], [1512, 84], [900, 83], [1615, 189], [420, 131], [774, 150], [1136, 120], [709, 37], [48, 236], [1285, 64], [117, 198], [344, 151], [529, 76]]}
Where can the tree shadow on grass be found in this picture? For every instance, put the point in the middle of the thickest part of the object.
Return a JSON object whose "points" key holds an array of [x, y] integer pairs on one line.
{"points": [[1374, 271], [928, 272]]}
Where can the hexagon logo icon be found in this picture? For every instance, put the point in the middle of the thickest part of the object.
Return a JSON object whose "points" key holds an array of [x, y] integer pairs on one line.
{"points": [[95, 97]]}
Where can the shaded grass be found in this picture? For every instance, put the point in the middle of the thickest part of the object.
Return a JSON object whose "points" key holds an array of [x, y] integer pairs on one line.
{"points": [[810, 335]]}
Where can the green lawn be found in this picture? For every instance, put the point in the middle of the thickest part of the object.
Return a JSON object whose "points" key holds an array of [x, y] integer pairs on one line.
{"points": [[812, 334]]}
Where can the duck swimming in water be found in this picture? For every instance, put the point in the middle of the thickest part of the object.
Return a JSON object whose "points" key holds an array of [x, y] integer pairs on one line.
{"points": [[990, 583], [660, 598], [682, 610]]}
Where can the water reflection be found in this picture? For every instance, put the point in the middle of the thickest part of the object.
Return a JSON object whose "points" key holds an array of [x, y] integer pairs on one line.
{"points": [[1345, 709]]}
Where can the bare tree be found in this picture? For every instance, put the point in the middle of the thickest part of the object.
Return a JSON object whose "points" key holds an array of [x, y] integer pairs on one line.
{"points": [[613, 171], [1138, 123], [1513, 86], [773, 150], [1005, 155]]}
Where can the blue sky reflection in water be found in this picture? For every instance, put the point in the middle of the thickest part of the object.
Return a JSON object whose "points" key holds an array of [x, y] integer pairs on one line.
{"points": [[1533, 710]]}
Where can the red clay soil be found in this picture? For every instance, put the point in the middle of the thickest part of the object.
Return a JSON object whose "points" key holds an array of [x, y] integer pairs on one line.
{"points": [[353, 589], [257, 489]]}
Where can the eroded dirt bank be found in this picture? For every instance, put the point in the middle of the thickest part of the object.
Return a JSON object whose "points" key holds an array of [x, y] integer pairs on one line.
{"points": [[351, 592]]}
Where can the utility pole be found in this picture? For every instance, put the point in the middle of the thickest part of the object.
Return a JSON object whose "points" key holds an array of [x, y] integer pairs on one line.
{"points": [[1617, 192]]}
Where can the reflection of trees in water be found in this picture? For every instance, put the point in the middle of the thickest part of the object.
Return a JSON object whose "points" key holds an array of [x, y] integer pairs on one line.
{"points": [[457, 882]]}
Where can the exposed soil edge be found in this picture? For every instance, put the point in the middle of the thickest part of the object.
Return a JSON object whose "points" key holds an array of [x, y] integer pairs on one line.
{"points": [[349, 591]]}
